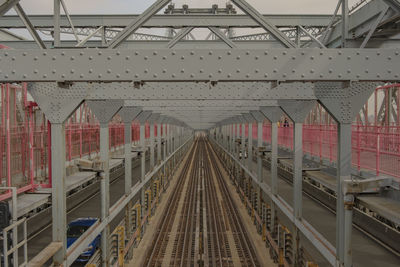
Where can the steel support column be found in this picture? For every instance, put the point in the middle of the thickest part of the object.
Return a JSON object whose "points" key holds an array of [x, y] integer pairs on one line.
{"points": [[152, 146], [343, 101], [297, 110], [159, 126]]}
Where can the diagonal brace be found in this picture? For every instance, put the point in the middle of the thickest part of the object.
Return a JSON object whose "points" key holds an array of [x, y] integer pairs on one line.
{"points": [[138, 22], [222, 36]]}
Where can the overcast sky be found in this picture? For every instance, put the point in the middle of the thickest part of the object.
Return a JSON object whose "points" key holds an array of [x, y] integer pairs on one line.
{"points": [[137, 6]]}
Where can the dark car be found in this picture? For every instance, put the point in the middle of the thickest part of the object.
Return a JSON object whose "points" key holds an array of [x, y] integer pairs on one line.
{"points": [[75, 229]]}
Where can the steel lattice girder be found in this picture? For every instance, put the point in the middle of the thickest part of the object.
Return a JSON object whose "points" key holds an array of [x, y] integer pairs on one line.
{"points": [[167, 21], [200, 65]]}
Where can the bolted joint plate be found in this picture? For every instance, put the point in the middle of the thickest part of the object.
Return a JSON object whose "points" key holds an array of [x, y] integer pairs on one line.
{"points": [[297, 110], [129, 113], [143, 116], [58, 103], [344, 100], [104, 110], [273, 114]]}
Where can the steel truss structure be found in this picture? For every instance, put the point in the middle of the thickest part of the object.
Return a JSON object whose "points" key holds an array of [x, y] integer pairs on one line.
{"points": [[205, 84]]}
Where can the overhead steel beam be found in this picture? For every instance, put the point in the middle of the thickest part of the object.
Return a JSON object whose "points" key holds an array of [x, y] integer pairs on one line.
{"points": [[138, 22], [264, 23], [200, 65], [168, 21], [210, 104]]}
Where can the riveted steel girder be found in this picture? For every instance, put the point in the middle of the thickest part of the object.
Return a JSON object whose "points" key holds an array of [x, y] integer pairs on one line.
{"points": [[200, 65]]}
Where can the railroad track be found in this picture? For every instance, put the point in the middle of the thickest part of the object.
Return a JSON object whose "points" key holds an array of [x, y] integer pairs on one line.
{"points": [[208, 229]]}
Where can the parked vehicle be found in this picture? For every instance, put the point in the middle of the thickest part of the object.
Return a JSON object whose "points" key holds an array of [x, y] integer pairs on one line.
{"points": [[75, 229]]}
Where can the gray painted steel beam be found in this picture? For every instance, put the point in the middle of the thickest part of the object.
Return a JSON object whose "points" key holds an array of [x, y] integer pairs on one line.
{"points": [[170, 21], [200, 65]]}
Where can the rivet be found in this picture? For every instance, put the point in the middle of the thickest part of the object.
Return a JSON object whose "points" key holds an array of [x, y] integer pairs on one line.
{"points": [[72, 70], [302, 53], [284, 75], [210, 75], [293, 70], [72, 58], [136, 75], [389, 58], [348, 57], [173, 75], [118, 53], [182, 57], [348, 71], [266, 53], [108, 71], [24, 54], [238, 57], [302, 76], [6, 76], [155, 53], [99, 75], [321, 75], [35, 58], [90, 58], [367, 57], [378, 53], [312, 57], [63, 76], [219, 57], [164, 57], [378, 75], [136, 53], [13, 58], [53, 71], [99, 53], [90, 70], [293, 57], [146, 58], [81, 75], [192, 53], [247, 75], [164, 71], [155, 75], [210, 53], [35, 71], [109, 57], [24, 76], [284, 52], [219, 71], [13, 71], [275, 57], [127, 70], [275, 70], [389, 71], [321, 53], [182, 70], [256, 57], [366, 71], [173, 53], [229, 75], [339, 52], [201, 57], [146, 71], [330, 57], [81, 53], [201, 70], [330, 70], [265, 75], [192, 75], [256, 71], [127, 58], [238, 70], [6, 54]]}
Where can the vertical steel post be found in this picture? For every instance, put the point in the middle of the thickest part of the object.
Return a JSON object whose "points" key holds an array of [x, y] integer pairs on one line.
{"points": [[159, 126], [298, 169], [348, 219], [57, 40], [58, 195], [105, 190], [243, 142], [343, 173], [128, 157], [142, 168], [250, 147], [151, 145], [259, 155], [345, 22], [274, 170]]}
